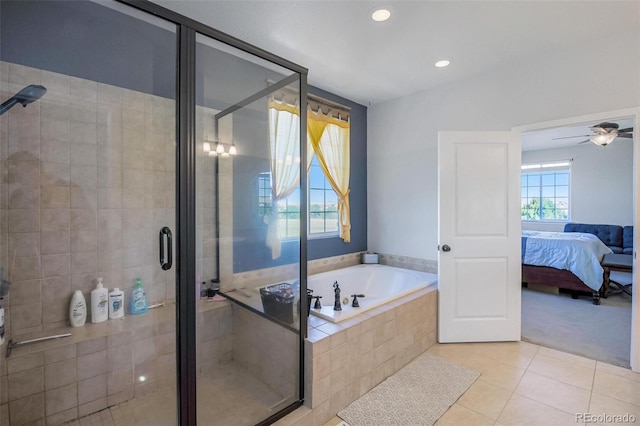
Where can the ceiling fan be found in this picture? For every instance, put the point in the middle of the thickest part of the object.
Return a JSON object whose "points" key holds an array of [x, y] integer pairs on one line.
{"points": [[604, 133]]}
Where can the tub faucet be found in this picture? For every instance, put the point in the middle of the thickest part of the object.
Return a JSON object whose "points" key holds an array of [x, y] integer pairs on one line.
{"points": [[337, 306]]}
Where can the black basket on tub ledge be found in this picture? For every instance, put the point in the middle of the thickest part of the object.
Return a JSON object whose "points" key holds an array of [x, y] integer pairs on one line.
{"points": [[277, 301]]}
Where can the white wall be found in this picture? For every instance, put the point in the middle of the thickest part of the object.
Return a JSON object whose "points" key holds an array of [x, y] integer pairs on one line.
{"points": [[402, 133], [601, 183]]}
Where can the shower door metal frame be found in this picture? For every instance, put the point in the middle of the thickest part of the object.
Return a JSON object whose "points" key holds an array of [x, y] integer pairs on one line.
{"points": [[186, 202]]}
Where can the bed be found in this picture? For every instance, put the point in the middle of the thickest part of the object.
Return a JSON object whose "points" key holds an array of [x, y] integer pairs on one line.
{"points": [[566, 260]]}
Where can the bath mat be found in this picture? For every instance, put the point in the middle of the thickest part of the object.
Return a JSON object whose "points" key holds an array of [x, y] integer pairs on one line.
{"points": [[418, 394]]}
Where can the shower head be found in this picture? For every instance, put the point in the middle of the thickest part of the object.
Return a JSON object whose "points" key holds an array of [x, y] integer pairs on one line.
{"points": [[29, 94]]}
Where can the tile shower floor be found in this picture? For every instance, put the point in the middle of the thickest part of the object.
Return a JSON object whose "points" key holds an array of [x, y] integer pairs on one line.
{"points": [[230, 397]]}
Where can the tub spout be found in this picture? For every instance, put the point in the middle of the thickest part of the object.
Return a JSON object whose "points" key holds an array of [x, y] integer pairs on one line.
{"points": [[337, 306]]}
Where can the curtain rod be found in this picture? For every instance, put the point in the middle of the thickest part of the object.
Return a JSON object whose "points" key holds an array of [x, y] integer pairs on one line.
{"points": [[316, 98]]}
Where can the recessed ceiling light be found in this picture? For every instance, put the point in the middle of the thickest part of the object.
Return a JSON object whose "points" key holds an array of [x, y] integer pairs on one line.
{"points": [[443, 63], [380, 15]]}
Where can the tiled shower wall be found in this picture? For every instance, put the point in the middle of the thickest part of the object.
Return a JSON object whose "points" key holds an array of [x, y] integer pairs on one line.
{"points": [[89, 179]]}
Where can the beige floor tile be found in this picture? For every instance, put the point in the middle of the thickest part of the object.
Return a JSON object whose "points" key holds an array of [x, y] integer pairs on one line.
{"points": [[602, 404], [485, 398], [458, 415], [516, 354], [554, 393], [573, 373], [617, 371], [454, 352], [564, 356], [618, 387], [334, 421], [521, 411], [495, 372]]}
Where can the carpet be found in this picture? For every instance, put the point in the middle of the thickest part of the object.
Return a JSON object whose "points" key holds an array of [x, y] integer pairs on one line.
{"points": [[577, 326], [418, 394]]}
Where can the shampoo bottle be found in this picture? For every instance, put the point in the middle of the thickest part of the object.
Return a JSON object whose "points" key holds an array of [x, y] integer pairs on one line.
{"points": [[99, 303], [116, 304], [77, 309], [138, 299]]}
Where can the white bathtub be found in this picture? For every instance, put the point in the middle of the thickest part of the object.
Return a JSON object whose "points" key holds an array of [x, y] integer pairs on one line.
{"points": [[379, 283]]}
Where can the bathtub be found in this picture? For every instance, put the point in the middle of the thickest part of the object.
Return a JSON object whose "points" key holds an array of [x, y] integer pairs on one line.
{"points": [[379, 283]]}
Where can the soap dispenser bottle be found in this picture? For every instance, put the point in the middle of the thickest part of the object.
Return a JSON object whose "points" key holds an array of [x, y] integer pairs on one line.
{"points": [[116, 303], [77, 309], [99, 303], [138, 299]]}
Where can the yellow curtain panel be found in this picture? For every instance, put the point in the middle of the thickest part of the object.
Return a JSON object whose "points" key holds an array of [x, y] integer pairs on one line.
{"points": [[330, 139]]}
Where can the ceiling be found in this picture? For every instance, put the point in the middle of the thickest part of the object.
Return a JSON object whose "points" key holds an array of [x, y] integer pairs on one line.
{"points": [[350, 55], [546, 139]]}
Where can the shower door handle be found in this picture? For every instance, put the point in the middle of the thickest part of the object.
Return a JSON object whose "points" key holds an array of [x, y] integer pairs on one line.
{"points": [[166, 263]]}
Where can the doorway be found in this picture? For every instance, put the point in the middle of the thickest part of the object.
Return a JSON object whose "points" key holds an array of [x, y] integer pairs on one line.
{"points": [[587, 160]]}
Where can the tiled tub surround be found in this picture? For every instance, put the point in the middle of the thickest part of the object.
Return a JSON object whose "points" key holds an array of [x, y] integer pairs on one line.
{"points": [[268, 351], [346, 360]]}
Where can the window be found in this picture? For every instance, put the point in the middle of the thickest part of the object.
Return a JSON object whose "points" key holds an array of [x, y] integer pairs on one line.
{"points": [[323, 202], [544, 191], [288, 208], [323, 205], [328, 149]]}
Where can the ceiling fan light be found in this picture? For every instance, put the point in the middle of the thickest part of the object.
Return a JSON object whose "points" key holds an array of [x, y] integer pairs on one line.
{"points": [[603, 139], [220, 148]]}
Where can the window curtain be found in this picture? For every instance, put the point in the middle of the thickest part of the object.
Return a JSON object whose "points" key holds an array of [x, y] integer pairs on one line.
{"points": [[329, 138], [284, 153]]}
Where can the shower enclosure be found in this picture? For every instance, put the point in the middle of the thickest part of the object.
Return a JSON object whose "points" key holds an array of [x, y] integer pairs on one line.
{"points": [[136, 143]]}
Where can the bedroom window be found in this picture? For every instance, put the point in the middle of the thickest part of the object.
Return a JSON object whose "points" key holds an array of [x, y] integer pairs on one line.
{"points": [[544, 191]]}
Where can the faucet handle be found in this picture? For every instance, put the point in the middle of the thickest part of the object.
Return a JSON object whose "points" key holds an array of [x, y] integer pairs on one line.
{"points": [[355, 303], [317, 305]]}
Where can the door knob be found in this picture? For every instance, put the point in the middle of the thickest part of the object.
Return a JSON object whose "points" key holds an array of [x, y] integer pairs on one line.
{"points": [[446, 248]]}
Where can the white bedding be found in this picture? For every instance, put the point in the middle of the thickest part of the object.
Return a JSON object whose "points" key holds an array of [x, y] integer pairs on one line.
{"points": [[577, 252]]}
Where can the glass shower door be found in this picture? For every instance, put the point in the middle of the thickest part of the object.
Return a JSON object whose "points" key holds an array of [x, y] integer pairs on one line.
{"points": [[88, 180], [248, 240]]}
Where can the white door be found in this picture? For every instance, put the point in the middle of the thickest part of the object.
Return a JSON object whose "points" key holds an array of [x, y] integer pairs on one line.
{"points": [[479, 236]]}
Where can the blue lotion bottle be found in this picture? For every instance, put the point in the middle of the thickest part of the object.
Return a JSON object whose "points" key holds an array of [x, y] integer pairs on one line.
{"points": [[138, 299]]}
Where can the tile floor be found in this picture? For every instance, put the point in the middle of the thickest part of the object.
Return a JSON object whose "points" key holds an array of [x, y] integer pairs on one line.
{"points": [[520, 384], [525, 384]]}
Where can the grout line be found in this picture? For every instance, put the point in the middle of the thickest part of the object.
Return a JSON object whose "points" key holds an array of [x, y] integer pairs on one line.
{"points": [[513, 392]]}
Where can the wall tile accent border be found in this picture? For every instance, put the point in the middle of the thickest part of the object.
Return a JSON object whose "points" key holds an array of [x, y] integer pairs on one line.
{"points": [[407, 262]]}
